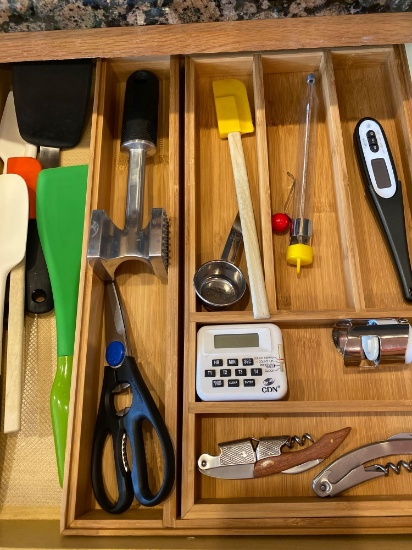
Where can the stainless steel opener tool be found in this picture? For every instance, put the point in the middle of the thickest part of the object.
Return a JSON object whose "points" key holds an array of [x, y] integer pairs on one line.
{"points": [[370, 342], [349, 470], [250, 458], [109, 245]]}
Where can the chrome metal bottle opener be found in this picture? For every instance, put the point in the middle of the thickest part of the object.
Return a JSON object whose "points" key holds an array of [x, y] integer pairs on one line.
{"points": [[250, 458], [371, 342], [349, 470]]}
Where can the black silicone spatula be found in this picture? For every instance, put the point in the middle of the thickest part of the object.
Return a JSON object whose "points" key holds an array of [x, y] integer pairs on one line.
{"points": [[51, 100]]}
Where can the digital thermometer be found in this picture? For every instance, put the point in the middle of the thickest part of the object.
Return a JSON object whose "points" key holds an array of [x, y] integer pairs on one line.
{"points": [[385, 191], [240, 363]]}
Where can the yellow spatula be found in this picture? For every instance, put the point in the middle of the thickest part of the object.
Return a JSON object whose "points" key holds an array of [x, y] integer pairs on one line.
{"points": [[234, 119]]}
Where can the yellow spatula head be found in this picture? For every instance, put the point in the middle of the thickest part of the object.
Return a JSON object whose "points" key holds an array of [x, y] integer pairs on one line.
{"points": [[232, 107]]}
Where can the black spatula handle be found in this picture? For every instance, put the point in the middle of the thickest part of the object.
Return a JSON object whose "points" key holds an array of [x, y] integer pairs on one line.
{"points": [[39, 296], [140, 115]]}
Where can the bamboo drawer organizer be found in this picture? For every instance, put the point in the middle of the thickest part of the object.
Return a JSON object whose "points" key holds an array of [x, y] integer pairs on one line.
{"points": [[352, 275]]}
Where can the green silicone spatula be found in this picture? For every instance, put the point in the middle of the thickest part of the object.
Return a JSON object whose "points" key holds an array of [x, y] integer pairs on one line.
{"points": [[60, 204]]}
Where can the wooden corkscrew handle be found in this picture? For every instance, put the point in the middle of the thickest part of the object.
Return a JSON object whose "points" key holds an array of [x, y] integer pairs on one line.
{"points": [[323, 448]]}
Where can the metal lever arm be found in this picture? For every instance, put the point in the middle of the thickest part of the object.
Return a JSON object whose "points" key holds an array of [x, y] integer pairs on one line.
{"points": [[349, 470]]}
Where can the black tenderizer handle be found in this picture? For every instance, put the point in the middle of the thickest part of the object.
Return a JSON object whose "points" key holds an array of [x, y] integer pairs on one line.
{"points": [[141, 103]]}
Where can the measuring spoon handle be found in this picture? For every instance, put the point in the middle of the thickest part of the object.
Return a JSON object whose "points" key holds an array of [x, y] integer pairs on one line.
{"points": [[234, 240]]}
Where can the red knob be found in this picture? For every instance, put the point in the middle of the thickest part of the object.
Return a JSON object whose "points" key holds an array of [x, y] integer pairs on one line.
{"points": [[280, 222]]}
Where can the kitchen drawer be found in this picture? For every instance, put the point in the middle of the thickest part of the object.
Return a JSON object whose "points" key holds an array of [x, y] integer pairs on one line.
{"points": [[190, 176]]}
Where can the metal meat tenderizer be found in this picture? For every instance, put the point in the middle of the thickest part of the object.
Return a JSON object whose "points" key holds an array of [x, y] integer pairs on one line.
{"points": [[109, 245]]}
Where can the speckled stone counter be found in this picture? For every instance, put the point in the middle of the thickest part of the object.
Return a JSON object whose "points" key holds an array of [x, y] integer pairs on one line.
{"points": [[34, 15]]}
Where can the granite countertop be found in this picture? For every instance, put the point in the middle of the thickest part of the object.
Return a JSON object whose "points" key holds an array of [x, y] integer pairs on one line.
{"points": [[34, 15]]}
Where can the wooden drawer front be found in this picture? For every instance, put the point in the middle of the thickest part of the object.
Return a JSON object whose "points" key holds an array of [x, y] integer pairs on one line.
{"points": [[151, 305], [352, 275]]}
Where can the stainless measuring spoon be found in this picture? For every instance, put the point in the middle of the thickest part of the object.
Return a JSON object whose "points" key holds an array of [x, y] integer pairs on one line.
{"points": [[220, 283]]}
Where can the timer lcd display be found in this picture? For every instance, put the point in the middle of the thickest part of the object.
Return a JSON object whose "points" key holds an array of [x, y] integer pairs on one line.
{"points": [[236, 340]]}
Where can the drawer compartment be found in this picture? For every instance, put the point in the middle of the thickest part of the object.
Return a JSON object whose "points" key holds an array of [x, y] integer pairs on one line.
{"points": [[359, 75], [150, 304], [29, 480]]}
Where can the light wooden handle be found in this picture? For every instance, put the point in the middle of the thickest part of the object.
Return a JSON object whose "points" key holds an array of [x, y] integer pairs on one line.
{"points": [[323, 448], [15, 347], [250, 239]]}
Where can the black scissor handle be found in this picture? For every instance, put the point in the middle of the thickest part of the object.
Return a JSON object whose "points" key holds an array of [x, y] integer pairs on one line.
{"points": [[144, 408], [109, 424]]}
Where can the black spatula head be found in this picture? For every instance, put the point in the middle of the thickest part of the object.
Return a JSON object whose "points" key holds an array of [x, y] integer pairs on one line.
{"points": [[51, 99]]}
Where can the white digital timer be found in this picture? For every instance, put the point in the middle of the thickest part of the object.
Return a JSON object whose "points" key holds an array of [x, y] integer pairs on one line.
{"points": [[240, 363]]}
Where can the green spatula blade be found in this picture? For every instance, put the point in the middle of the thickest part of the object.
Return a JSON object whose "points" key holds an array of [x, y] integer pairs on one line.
{"points": [[60, 205]]}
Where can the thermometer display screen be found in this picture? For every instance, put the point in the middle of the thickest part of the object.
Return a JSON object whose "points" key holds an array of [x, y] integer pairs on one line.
{"points": [[381, 173], [236, 340]]}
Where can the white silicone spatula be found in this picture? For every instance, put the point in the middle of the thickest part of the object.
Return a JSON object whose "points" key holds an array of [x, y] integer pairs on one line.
{"points": [[14, 216], [12, 144], [14, 151]]}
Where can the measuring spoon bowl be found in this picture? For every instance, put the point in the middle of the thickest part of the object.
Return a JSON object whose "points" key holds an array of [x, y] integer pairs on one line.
{"points": [[219, 284]]}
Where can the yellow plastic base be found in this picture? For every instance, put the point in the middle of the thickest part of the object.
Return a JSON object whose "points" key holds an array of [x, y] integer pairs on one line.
{"points": [[299, 254]]}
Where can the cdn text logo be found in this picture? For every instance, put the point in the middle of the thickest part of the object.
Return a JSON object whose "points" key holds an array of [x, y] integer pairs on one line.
{"points": [[268, 386]]}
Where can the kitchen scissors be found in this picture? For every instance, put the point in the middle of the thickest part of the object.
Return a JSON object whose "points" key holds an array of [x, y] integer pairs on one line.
{"points": [[121, 373]]}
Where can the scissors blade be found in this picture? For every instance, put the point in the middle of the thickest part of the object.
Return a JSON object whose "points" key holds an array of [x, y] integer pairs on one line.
{"points": [[115, 326]]}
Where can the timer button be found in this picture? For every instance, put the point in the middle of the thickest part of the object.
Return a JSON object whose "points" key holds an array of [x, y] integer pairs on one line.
{"points": [[256, 372], [248, 382], [217, 362], [225, 372], [232, 362], [247, 361], [210, 373], [240, 372]]}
